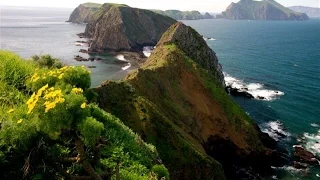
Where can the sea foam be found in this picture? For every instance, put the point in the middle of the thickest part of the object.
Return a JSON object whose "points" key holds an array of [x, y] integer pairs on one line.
{"points": [[121, 57], [147, 50], [126, 67], [255, 89], [312, 142], [275, 130]]}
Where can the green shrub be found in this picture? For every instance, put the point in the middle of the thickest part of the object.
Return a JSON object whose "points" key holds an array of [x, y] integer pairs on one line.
{"points": [[13, 71], [45, 118], [161, 171], [47, 61]]}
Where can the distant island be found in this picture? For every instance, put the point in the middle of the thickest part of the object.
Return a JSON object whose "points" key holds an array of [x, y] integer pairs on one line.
{"points": [[184, 15], [261, 10], [310, 11], [84, 13]]}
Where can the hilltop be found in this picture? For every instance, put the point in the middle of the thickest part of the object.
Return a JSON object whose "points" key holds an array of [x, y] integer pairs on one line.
{"points": [[261, 10], [84, 12]]}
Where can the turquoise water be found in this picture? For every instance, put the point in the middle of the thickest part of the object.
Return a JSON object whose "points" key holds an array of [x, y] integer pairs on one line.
{"points": [[279, 56], [276, 59]]}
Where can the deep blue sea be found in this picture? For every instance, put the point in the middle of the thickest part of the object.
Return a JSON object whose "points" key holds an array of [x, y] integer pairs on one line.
{"points": [[279, 60]]}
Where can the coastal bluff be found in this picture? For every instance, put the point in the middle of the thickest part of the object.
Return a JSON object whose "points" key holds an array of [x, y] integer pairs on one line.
{"points": [[177, 102], [261, 10], [117, 27]]}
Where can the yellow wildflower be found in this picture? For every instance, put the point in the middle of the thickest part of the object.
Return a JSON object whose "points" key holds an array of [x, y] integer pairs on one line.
{"points": [[20, 121], [51, 89], [11, 110], [83, 105], [42, 89], [77, 90], [36, 79], [49, 105], [60, 76]]}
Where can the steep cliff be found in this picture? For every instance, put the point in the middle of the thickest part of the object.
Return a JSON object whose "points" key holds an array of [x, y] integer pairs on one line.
{"points": [[177, 102], [261, 10], [117, 27], [83, 13]]}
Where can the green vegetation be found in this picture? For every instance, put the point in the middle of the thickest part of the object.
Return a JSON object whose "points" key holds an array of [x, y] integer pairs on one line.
{"points": [[49, 129], [47, 61], [91, 5]]}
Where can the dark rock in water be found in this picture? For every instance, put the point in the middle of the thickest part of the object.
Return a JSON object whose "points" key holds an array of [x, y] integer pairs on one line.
{"points": [[91, 59], [261, 97], [79, 58], [239, 92], [118, 27], [91, 66], [82, 35], [81, 41], [299, 165], [83, 51], [302, 155]]}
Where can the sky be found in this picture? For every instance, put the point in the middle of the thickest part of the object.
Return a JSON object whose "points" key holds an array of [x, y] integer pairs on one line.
{"points": [[200, 5]]}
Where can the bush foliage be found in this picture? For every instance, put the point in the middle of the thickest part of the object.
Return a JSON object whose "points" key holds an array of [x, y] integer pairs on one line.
{"points": [[49, 129]]}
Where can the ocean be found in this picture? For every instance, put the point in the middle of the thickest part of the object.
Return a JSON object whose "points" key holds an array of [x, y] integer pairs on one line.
{"points": [[30, 31], [279, 60]]}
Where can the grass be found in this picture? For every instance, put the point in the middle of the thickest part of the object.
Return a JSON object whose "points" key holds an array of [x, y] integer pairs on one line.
{"points": [[91, 5]]}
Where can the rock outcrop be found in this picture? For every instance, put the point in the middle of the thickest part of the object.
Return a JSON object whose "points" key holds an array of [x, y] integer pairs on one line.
{"points": [[117, 27], [184, 15], [261, 10], [177, 102], [84, 13], [195, 47]]}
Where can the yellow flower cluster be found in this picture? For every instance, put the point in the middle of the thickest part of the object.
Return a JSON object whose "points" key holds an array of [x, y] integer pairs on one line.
{"points": [[35, 98], [77, 90], [58, 73], [35, 77], [53, 97]]}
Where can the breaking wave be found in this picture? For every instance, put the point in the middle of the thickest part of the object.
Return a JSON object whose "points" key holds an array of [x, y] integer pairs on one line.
{"points": [[312, 142], [275, 130], [148, 50], [126, 67], [121, 57], [255, 89]]}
